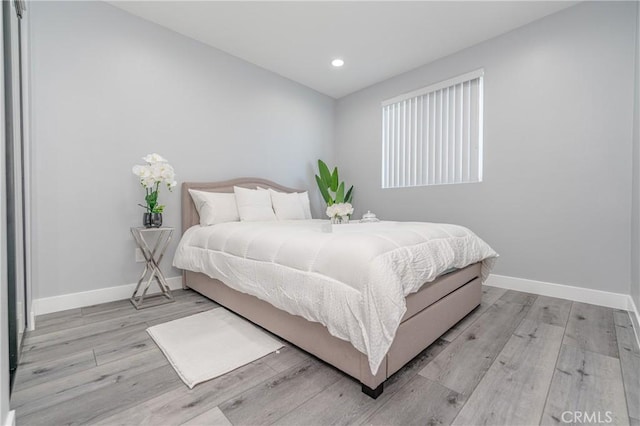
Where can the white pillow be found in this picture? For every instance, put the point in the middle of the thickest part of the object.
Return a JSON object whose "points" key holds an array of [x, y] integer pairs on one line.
{"points": [[215, 207], [286, 206], [253, 205], [306, 204], [303, 198]]}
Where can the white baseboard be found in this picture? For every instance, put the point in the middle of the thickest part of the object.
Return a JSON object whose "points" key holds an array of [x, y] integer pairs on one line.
{"points": [[578, 294], [596, 297], [633, 311], [10, 420], [47, 305]]}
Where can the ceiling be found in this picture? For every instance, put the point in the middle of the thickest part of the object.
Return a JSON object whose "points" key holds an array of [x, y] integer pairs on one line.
{"points": [[376, 39]]}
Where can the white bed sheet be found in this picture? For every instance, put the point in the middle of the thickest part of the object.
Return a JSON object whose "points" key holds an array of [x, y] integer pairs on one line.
{"points": [[353, 280]]}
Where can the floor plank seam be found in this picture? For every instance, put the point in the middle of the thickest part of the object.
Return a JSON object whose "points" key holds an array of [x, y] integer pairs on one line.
{"points": [[375, 411], [624, 380], [555, 366], [187, 420], [276, 373], [462, 330], [140, 401], [498, 352], [390, 399], [390, 393], [302, 403], [636, 332], [233, 396], [591, 352], [476, 319], [626, 397]]}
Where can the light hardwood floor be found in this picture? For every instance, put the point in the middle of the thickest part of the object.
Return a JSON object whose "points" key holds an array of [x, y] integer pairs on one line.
{"points": [[518, 359]]}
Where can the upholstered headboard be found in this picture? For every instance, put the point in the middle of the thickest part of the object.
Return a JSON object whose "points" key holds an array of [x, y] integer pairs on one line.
{"points": [[190, 214]]}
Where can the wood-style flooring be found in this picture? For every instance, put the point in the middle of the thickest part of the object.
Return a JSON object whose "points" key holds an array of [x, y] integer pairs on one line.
{"points": [[518, 359]]}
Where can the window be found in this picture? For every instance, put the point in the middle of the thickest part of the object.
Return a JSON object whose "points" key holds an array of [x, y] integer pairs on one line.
{"points": [[433, 135]]}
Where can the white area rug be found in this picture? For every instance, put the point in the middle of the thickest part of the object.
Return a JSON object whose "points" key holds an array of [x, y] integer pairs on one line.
{"points": [[209, 344]]}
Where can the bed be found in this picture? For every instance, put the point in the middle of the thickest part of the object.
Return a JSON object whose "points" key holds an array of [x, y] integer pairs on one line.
{"points": [[428, 311]]}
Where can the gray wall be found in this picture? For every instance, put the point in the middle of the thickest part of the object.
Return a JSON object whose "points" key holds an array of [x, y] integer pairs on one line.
{"points": [[635, 194], [109, 88], [557, 172]]}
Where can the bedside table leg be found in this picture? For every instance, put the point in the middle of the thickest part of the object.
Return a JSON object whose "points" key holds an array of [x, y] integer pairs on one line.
{"points": [[153, 258]]}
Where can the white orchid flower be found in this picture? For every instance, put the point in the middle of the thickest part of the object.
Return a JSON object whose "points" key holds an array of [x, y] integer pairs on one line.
{"points": [[346, 209], [151, 175], [141, 171], [332, 210], [340, 209], [148, 182], [167, 174], [156, 171], [154, 158]]}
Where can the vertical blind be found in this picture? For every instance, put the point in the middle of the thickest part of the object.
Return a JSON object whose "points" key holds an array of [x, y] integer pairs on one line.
{"points": [[433, 135]]}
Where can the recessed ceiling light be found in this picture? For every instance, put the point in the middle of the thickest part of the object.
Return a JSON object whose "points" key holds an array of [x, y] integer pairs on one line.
{"points": [[337, 62]]}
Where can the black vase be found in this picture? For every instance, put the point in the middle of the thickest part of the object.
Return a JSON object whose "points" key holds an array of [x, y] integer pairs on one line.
{"points": [[152, 220]]}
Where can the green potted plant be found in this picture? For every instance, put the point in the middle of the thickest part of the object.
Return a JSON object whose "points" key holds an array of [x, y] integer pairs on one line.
{"points": [[339, 206]]}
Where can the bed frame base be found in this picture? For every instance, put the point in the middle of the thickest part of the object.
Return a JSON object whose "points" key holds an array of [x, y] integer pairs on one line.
{"points": [[373, 393], [415, 333]]}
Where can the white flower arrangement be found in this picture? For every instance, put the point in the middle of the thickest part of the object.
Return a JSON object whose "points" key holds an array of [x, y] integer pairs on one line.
{"points": [[157, 171], [339, 210]]}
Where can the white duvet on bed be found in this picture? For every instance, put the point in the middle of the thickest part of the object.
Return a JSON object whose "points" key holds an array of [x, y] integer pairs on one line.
{"points": [[352, 280]]}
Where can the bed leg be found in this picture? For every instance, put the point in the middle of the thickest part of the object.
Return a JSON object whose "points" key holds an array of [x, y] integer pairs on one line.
{"points": [[373, 393]]}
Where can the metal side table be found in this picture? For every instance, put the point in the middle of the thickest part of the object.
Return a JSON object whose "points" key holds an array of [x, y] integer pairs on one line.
{"points": [[153, 255]]}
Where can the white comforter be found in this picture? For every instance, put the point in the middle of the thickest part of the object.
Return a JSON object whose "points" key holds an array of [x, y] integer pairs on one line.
{"points": [[351, 278]]}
